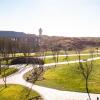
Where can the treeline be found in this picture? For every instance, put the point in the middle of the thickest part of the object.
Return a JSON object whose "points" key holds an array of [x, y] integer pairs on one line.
{"points": [[33, 43], [49, 42], [23, 45]]}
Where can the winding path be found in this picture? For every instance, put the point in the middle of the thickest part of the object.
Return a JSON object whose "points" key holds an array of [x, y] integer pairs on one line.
{"points": [[48, 93]]}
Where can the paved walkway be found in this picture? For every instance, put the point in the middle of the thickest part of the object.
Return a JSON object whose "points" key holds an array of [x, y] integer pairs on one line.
{"points": [[47, 93], [84, 54], [75, 61]]}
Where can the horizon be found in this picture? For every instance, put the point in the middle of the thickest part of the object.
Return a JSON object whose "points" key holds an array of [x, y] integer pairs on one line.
{"points": [[53, 35], [74, 18]]}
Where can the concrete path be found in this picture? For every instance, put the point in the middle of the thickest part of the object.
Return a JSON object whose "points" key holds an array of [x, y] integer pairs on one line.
{"points": [[74, 61], [84, 54], [47, 93]]}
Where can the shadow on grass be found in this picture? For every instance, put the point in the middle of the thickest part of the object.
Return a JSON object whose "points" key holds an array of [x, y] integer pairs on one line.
{"points": [[2, 88]]}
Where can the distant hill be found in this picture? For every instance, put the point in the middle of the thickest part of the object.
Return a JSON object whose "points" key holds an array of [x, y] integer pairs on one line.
{"points": [[11, 34]]}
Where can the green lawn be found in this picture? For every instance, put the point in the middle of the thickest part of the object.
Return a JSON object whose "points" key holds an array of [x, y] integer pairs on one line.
{"points": [[8, 71], [86, 50], [63, 58], [15, 92], [62, 52], [64, 77], [4, 62]]}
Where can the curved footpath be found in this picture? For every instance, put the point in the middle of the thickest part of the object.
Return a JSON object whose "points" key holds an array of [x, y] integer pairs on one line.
{"points": [[48, 93]]}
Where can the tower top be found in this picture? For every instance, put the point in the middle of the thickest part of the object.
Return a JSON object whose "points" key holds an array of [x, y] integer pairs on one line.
{"points": [[40, 31]]}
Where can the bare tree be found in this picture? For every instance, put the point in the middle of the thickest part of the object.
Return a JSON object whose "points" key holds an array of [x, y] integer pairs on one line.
{"points": [[35, 76], [4, 72], [86, 69], [66, 48]]}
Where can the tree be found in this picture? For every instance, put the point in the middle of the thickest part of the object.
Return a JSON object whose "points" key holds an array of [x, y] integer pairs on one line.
{"points": [[37, 70], [86, 69], [4, 72], [97, 50], [67, 47], [55, 52]]}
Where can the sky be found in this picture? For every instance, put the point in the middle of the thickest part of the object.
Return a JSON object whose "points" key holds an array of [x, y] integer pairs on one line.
{"points": [[74, 18]]}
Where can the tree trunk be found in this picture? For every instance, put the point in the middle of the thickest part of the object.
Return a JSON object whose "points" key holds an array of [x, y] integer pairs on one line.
{"points": [[0, 67], [57, 57], [5, 82], [4, 79], [44, 56], [97, 51], [66, 54], [87, 90], [54, 57]]}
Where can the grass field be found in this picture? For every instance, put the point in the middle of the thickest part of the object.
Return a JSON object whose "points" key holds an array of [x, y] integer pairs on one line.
{"points": [[60, 59], [8, 71], [15, 92], [64, 77], [61, 52]]}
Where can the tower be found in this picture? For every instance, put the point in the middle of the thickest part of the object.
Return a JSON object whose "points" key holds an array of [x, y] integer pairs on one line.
{"points": [[40, 31], [40, 35]]}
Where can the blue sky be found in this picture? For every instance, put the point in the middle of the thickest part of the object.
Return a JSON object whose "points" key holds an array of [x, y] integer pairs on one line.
{"points": [[55, 17]]}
